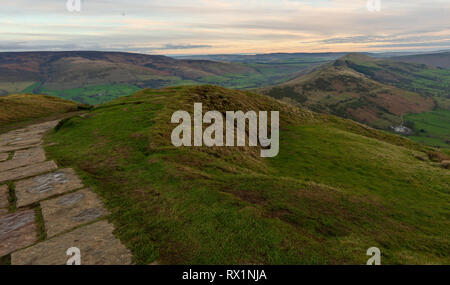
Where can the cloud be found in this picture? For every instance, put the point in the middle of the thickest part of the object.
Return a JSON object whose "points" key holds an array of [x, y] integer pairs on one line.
{"points": [[417, 44], [223, 26], [23, 46], [177, 47]]}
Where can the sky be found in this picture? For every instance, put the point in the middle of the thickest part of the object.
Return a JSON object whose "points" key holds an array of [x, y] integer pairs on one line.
{"points": [[187, 27]]}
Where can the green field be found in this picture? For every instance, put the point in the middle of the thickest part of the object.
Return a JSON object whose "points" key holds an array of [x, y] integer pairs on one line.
{"points": [[431, 128], [336, 188], [272, 73], [99, 94], [94, 94], [248, 75], [31, 88]]}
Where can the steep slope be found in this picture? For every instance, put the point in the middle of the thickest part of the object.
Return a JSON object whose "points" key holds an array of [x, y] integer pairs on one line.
{"points": [[418, 78], [335, 189], [22, 107], [343, 88]]}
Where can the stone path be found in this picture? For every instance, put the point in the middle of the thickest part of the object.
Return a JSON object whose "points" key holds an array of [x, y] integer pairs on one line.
{"points": [[37, 196]]}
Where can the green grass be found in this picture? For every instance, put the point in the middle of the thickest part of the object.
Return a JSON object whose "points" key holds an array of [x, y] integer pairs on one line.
{"points": [[336, 189], [431, 128], [262, 74], [31, 88], [266, 74], [94, 94], [5, 260], [100, 94], [432, 81], [18, 108], [39, 220], [425, 80]]}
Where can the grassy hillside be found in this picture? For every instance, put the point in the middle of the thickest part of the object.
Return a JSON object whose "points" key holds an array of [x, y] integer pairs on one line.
{"points": [[418, 78], [22, 107], [14, 87], [271, 68], [95, 94], [336, 188], [431, 128], [441, 59], [339, 89]]}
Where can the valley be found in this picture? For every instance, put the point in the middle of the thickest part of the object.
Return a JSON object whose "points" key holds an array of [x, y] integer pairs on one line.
{"points": [[98, 77], [374, 89]]}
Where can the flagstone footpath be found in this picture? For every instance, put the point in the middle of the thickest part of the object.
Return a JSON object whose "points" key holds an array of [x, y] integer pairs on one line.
{"points": [[37, 196]]}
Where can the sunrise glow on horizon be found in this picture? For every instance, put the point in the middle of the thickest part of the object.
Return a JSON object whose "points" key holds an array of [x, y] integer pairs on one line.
{"points": [[175, 27]]}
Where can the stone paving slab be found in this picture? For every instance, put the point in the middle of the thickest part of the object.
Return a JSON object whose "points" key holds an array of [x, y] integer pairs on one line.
{"points": [[23, 158], [4, 195], [44, 186], [4, 156], [17, 231], [32, 154], [27, 142], [43, 127], [38, 129], [20, 138], [71, 210], [25, 138], [96, 242], [9, 148], [27, 171]]}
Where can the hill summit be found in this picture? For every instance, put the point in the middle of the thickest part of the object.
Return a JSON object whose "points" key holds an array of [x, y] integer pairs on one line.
{"points": [[335, 189], [358, 87]]}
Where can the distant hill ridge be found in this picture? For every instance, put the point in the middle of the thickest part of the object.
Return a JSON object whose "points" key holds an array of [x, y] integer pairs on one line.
{"points": [[369, 90], [31, 64], [441, 59]]}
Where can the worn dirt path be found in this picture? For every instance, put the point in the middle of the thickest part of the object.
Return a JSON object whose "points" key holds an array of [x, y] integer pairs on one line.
{"points": [[45, 210]]}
